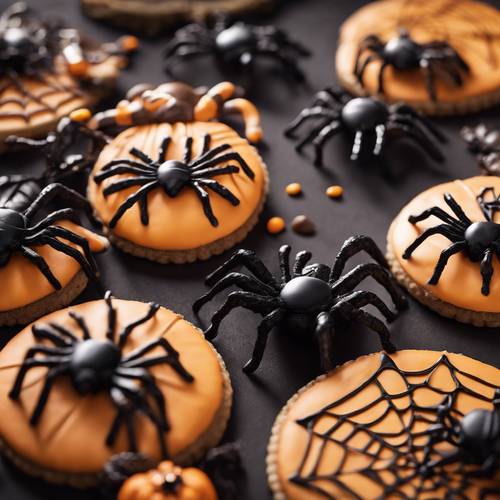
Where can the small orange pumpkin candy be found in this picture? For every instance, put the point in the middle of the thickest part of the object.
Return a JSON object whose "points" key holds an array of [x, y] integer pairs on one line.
{"points": [[168, 482]]}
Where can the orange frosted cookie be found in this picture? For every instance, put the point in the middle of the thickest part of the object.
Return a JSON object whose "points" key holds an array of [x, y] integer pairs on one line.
{"points": [[412, 425], [442, 57], [104, 377], [444, 247]]}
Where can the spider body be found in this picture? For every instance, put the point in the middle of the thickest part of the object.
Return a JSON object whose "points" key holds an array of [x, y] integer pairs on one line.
{"points": [[479, 240], [173, 175], [96, 366], [405, 54], [311, 301], [370, 122], [238, 44], [18, 233], [485, 143]]}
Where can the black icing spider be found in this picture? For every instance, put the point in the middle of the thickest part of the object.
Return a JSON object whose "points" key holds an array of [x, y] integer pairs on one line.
{"points": [[95, 366], [19, 233], [370, 121], [435, 59], [238, 44], [312, 299], [485, 143], [480, 241], [173, 175]]}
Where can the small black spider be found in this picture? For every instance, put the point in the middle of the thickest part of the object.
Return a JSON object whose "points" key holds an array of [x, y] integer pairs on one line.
{"points": [[370, 121], [173, 175], [19, 233], [309, 300], [480, 241], [94, 366], [435, 59], [485, 143], [237, 44]]}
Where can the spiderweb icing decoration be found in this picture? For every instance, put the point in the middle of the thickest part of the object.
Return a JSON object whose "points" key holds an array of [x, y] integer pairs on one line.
{"points": [[404, 447]]}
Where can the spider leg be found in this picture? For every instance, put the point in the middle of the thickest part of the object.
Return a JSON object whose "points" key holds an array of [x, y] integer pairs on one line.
{"points": [[380, 87], [357, 145], [141, 155], [162, 154], [212, 172], [311, 113], [120, 185], [409, 112], [39, 262], [120, 400], [360, 69], [324, 335], [380, 133], [301, 259], [205, 202], [246, 283], [288, 63], [487, 271], [209, 155], [457, 210], [351, 247], [440, 214], [65, 213], [380, 274], [80, 321], [42, 333], [361, 298], [284, 259], [124, 169], [323, 135], [125, 162], [428, 70], [131, 200], [221, 190], [443, 229], [456, 247], [188, 150], [186, 43], [256, 303], [248, 259], [232, 156], [267, 324], [111, 317], [124, 334], [185, 53], [347, 311], [64, 332]]}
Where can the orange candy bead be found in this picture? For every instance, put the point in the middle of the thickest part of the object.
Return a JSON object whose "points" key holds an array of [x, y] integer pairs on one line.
{"points": [[335, 191], [275, 225], [80, 115], [129, 43], [293, 189]]}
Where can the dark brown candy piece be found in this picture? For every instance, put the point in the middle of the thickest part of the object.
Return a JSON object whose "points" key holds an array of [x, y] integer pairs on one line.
{"points": [[303, 225]]}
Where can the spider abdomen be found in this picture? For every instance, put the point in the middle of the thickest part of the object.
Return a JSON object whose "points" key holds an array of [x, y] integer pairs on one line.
{"points": [[364, 113], [235, 40], [306, 294], [12, 228], [172, 176], [480, 236], [480, 434], [402, 53]]}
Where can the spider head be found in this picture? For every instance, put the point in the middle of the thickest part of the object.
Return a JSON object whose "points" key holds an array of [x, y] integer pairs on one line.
{"points": [[92, 364], [173, 176], [402, 52], [479, 237], [364, 113], [306, 294], [235, 40], [480, 434], [12, 229]]}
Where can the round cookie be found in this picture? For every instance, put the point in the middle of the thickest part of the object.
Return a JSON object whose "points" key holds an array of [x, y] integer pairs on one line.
{"points": [[458, 293], [79, 427], [378, 427], [178, 229], [476, 38]]}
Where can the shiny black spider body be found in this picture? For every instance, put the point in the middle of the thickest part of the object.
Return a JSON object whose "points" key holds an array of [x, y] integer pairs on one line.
{"points": [[173, 175], [310, 300], [94, 365], [485, 143], [369, 121], [480, 241], [435, 59], [237, 44], [19, 233]]}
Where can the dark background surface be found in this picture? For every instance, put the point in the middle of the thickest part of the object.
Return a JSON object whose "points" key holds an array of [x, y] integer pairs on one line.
{"points": [[370, 203]]}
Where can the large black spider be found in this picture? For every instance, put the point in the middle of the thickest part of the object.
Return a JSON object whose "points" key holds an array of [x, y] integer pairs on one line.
{"points": [[436, 59], [309, 300], [94, 366], [480, 241], [173, 175], [237, 44], [370, 121], [19, 233], [485, 143]]}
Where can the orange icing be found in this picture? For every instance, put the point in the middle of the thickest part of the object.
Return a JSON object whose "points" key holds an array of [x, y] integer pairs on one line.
{"points": [[460, 283], [179, 223], [24, 283], [460, 22], [293, 437], [70, 436]]}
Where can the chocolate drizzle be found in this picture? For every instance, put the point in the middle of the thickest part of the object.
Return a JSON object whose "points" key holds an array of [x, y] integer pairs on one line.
{"points": [[408, 462]]}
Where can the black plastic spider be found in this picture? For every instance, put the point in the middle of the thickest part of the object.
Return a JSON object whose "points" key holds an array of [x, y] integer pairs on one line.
{"points": [[308, 300], [435, 59], [173, 175], [370, 121], [237, 44], [94, 366], [19, 233], [485, 143], [480, 241]]}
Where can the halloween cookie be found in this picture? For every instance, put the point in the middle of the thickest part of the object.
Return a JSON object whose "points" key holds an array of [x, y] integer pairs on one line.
{"points": [[436, 56], [154, 16], [414, 424], [104, 377], [47, 71], [45, 261], [444, 248]]}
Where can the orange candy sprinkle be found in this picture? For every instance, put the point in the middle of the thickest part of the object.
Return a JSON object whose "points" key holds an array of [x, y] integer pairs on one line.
{"points": [[80, 115], [293, 189], [335, 191], [129, 43], [275, 225]]}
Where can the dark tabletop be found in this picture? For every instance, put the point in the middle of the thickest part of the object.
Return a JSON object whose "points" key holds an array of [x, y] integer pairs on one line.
{"points": [[371, 201]]}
